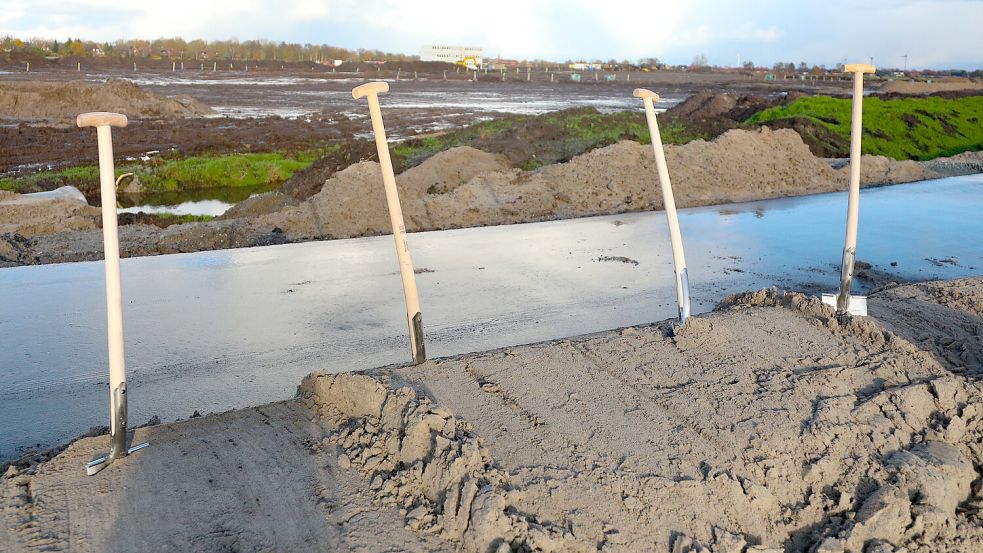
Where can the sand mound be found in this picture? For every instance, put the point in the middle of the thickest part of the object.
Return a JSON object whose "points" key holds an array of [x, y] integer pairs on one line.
{"points": [[31, 215], [64, 101], [875, 170], [349, 203], [466, 187], [916, 87], [708, 105], [705, 104], [965, 163], [259, 205]]}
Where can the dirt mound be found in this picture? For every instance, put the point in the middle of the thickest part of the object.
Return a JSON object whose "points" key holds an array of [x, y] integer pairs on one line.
{"points": [[466, 187], [34, 215], [708, 104], [307, 182], [258, 205], [917, 87], [822, 141], [62, 102], [965, 163], [875, 170], [855, 439], [352, 203]]}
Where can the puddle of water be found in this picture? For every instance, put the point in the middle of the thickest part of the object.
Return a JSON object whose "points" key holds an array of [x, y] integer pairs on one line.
{"points": [[203, 207], [220, 330], [210, 201]]}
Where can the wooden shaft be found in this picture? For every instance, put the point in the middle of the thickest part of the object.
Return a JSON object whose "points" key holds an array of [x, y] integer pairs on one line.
{"points": [[114, 300], [856, 130], [853, 201], [395, 211], [675, 236]]}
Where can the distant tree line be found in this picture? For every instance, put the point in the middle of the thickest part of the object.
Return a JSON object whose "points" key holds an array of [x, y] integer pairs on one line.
{"points": [[181, 49], [268, 50]]}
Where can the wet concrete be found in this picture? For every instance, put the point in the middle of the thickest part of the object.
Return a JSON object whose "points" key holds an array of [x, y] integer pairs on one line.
{"points": [[219, 330]]}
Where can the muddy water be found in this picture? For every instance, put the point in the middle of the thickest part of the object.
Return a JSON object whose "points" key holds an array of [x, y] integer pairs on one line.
{"points": [[218, 330], [299, 96]]}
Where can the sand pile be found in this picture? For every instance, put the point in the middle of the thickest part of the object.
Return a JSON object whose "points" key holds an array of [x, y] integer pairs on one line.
{"points": [[62, 102], [965, 163], [711, 107], [917, 87], [349, 203], [30, 215], [765, 426], [876, 170], [465, 187], [840, 435]]}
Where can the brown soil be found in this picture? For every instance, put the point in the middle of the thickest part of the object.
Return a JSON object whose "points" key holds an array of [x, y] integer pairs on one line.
{"points": [[768, 425], [62, 102], [912, 87], [306, 183], [709, 105], [29, 144], [28, 217], [822, 142]]}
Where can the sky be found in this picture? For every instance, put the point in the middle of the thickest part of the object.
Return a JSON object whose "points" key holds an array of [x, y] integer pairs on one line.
{"points": [[935, 34]]}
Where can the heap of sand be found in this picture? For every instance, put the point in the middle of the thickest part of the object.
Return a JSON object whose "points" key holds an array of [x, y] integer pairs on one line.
{"points": [[62, 101], [38, 214], [768, 425], [919, 87], [465, 187]]}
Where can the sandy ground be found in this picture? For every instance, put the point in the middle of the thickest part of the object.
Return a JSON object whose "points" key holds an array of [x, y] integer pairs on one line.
{"points": [[465, 187], [62, 102], [35, 215], [766, 425], [914, 87]]}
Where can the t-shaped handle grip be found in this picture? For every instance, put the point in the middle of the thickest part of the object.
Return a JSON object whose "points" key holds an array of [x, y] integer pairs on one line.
{"points": [[645, 93], [859, 68], [367, 89], [101, 119]]}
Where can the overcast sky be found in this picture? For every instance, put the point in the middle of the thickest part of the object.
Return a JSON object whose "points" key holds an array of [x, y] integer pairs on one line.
{"points": [[936, 34]]}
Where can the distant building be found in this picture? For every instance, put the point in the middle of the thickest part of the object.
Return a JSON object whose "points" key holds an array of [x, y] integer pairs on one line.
{"points": [[451, 54], [584, 66], [499, 63]]}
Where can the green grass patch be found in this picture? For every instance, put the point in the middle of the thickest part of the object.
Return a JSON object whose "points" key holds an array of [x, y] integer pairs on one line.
{"points": [[226, 171], [177, 175], [532, 141], [908, 128], [47, 180], [178, 219]]}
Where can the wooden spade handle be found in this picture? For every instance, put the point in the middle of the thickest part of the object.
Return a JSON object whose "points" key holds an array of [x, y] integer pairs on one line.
{"points": [[101, 119], [366, 89], [858, 68], [645, 93]]}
